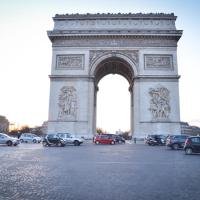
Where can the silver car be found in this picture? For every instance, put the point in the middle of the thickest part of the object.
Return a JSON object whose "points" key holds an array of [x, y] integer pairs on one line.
{"points": [[5, 139], [29, 137], [70, 139]]}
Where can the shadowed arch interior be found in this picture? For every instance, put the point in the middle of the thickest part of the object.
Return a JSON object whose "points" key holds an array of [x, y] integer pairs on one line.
{"points": [[114, 65]]}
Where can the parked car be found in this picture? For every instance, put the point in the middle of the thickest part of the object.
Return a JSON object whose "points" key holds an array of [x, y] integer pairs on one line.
{"points": [[119, 139], [29, 137], [153, 140], [192, 145], [104, 139], [8, 140], [53, 140], [70, 139], [176, 141]]}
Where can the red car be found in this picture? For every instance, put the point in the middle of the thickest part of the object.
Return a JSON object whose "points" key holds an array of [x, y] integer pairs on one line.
{"points": [[104, 139]]}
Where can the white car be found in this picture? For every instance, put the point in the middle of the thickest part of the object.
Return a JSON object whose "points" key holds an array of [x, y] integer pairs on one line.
{"points": [[70, 139], [29, 137], [5, 139]]}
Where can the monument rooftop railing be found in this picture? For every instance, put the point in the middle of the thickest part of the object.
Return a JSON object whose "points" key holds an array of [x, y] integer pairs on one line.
{"points": [[116, 16], [114, 21]]}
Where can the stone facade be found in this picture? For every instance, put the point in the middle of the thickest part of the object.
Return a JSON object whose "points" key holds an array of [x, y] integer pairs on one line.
{"points": [[140, 47]]}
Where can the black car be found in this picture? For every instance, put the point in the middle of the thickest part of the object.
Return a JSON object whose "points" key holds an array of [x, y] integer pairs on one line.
{"points": [[119, 139], [192, 145], [176, 141], [53, 140], [153, 140]]}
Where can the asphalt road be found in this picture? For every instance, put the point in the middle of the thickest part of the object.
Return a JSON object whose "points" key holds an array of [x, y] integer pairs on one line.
{"points": [[98, 172]]}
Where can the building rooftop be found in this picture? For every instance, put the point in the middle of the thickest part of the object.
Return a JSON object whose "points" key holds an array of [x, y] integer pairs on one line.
{"points": [[115, 15]]}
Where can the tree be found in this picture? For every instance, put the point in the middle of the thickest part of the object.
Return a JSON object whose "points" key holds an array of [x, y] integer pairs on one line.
{"points": [[126, 135], [4, 124], [100, 131], [38, 130], [25, 129]]}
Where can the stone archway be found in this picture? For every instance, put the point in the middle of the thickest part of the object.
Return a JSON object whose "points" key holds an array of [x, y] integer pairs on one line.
{"points": [[113, 64], [140, 47]]}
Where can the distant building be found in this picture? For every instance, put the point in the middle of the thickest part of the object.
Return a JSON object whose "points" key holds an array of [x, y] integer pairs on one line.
{"points": [[4, 124], [44, 127], [40, 130], [189, 130]]}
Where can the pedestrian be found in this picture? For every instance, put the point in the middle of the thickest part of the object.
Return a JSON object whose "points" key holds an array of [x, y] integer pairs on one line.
{"points": [[134, 140]]}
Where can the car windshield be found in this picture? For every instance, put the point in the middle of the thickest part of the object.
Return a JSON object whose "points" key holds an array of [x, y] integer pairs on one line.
{"points": [[52, 136], [34, 135], [4, 135]]}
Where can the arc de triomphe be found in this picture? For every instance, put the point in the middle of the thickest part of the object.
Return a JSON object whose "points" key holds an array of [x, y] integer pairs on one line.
{"points": [[140, 47]]}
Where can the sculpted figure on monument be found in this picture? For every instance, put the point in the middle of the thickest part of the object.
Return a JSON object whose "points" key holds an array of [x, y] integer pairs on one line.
{"points": [[159, 103], [67, 103]]}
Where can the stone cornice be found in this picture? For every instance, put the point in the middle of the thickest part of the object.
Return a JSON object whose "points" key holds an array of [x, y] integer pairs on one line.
{"points": [[80, 77], [112, 32], [115, 16], [136, 77], [157, 77], [176, 34]]}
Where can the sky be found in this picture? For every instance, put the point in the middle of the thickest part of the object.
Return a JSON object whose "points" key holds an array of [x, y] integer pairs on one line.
{"points": [[26, 53]]}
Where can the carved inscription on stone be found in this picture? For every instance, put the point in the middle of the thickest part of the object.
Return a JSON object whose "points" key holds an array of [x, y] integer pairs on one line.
{"points": [[158, 61], [159, 103], [122, 24], [70, 61], [67, 103], [95, 54]]}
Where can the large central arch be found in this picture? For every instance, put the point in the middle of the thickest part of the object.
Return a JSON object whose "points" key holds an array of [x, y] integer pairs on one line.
{"points": [[140, 47], [113, 64]]}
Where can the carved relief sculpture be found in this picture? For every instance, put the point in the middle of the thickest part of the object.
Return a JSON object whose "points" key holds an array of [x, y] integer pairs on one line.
{"points": [[95, 54], [158, 61], [71, 61], [67, 103], [159, 103]]}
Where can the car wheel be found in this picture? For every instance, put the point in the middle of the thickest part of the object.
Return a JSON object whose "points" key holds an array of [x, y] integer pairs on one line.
{"points": [[175, 146], [21, 140], [45, 144], [9, 143], [113, 142], [34, 141], [188, 151], [76, 143], [59, 144], [97, 142]]}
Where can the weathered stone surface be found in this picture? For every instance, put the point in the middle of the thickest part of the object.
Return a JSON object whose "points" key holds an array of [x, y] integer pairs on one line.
{"points": [[140, 47]]}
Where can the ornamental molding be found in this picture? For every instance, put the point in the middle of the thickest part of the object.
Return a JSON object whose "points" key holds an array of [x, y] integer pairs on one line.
{"points": [[70, 61], [96, 54], [67, 103], [108, 15], [158, 61], [121, 32], [118, 41], [159, 103]]}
